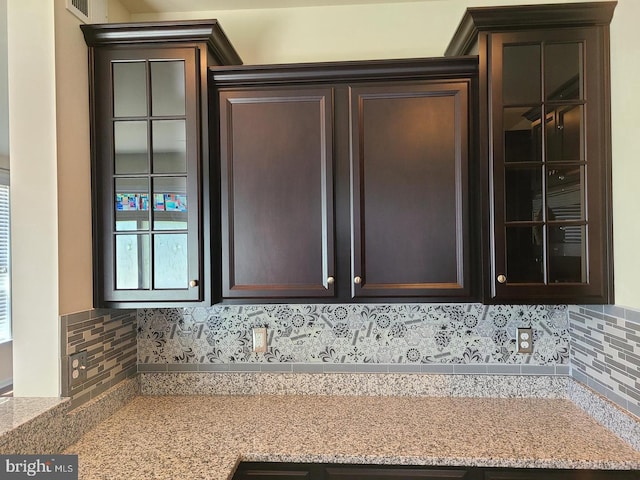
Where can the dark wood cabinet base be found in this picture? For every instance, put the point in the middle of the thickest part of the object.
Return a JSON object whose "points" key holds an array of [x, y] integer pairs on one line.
{"points": [[331, 471]]}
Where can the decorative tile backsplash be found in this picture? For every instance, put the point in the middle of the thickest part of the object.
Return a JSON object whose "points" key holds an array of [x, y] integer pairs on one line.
{"points": [[402, 334], [109, 338], [605, 352]]}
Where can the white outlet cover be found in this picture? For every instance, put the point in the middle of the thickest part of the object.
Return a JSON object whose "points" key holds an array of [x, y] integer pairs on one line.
{"points": [[260, 340]]}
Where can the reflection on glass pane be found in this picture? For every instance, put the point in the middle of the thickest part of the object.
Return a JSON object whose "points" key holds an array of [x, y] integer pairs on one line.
{"points": [[567, 258], [167, 88], [169, 146], [564, 134], [170, 269], [563, 71], [132, 204], [565, 193], [521, 74], [523, 188], [170, 203], [132, 262], [129, 89], [522, 139], [130, 147], [524, 255]]}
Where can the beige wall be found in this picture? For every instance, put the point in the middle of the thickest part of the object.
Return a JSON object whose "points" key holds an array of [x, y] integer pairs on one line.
{"points": [[73, 164], [116, 12], [352, 32], [418, 29]]}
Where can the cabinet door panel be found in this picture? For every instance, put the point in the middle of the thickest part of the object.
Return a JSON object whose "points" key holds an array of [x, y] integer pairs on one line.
{"points": [[277, 193], [551, 174], [409, 164], [160, 262]]}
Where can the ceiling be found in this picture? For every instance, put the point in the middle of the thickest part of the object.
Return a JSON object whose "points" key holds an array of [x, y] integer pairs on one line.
{"points": [[159, 6]]}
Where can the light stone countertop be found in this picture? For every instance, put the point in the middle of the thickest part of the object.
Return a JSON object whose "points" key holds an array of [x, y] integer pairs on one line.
{"points": [[15, 412], [198, 437]]}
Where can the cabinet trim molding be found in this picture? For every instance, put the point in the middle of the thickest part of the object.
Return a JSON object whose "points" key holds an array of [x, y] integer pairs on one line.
{"points": [[519, 17], [208, 31], [344, 72]]}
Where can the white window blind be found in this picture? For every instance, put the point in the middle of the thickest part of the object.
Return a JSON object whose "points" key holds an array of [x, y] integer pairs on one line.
{"points": [[5, 257]]}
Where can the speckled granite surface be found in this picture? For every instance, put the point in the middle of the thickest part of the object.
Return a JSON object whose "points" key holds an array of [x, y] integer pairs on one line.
{"points": [[622, 423], [15, 412], [396, 419], [48, 425], [198, 437], [27, 424], [361, 384]]}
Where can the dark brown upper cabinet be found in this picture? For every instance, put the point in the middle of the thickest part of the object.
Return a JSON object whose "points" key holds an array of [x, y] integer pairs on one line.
{"points": [[346, 180], [151, 162], [545, 150]]}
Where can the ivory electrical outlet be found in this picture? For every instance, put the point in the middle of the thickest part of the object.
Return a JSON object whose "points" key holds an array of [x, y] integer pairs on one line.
{"points": [[260, 340], [524, 340]]}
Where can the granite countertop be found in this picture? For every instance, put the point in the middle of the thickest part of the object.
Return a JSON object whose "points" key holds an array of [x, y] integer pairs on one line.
{"points": [[194, 437], [15, 412]]}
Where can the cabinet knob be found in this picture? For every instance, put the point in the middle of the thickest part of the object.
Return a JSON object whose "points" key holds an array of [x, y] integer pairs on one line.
{"points": [[357, 280], [193, 283], [502, 279], [330, 280]]}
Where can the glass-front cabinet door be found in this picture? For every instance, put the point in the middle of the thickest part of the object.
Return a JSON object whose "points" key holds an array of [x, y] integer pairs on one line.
{"points": [[549, 164], [147, 191]]}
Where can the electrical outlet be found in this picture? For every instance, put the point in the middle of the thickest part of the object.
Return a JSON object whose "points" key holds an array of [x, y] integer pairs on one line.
{"points": [[77, 368], [260, 340], [524, 340]]}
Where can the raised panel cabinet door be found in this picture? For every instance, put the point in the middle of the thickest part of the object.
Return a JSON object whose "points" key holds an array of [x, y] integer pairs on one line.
{"points": [[146, 175], [409, 165], [276, 149], [551, 166]]}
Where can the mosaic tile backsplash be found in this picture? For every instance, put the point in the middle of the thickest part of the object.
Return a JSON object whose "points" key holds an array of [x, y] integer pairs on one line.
{"points": [[605, 352], [109, 338], [406, 334]]}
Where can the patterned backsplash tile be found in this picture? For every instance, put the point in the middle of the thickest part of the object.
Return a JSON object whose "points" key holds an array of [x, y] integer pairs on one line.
{"points": [[354, 334]]}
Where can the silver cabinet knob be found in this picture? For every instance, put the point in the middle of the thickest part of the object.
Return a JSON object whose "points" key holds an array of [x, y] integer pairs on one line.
{"points": [[357, 280], [502, 279], [193, 283], [330, 280]]}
